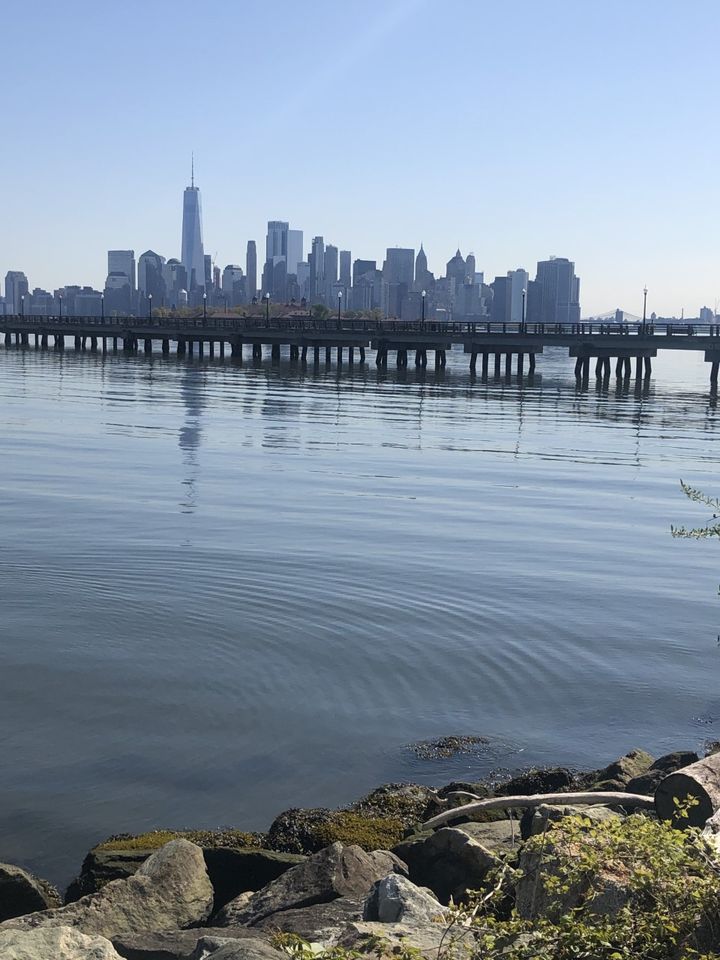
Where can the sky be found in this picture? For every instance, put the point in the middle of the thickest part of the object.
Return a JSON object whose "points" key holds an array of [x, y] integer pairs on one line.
{"points": [[515, 129]]}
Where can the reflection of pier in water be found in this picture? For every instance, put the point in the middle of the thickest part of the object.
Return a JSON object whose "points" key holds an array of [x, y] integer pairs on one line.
{"points": [[190, 433], [496, 347]]}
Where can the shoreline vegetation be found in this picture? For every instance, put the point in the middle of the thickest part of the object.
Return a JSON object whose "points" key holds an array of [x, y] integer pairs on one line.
{"points": [[549, 863]]}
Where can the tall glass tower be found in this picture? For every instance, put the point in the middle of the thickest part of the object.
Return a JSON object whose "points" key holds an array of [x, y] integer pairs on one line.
{"points": [[192, 256]]}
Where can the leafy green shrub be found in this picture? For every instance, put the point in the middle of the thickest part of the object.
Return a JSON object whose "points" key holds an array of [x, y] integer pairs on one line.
{"points": [[670, 908]]}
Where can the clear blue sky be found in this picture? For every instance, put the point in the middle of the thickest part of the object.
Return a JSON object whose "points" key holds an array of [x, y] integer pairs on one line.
{"points": [[580, 128]]}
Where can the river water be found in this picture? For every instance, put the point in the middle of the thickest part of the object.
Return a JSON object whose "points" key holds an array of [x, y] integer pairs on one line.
{"points": [[225, 591]]}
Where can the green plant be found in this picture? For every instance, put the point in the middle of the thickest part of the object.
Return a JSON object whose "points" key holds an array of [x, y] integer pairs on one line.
{"points": [[712, 527], [668, 907]]}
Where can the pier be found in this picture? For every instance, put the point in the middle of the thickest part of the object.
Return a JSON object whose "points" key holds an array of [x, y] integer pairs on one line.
{"points": [[498, 348]]}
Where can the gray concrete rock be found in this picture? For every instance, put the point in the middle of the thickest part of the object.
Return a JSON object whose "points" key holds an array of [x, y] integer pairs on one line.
{"points": [[452, 860], [427, 938], [250, 949], [54, 943], [602, 893], [336, 871], [538, 820], [177, 944], [171, 889], [232, 870], [21, 893], [320, 922], [617, 775], [394, 899], [662, 767]]}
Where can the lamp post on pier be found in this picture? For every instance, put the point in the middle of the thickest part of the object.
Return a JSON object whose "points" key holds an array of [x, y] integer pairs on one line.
{"points": [[524, 294], [204, 308], [22, 305], [60, 305], [339, 322], [267, 309], [644, 320], [149, 306], [102, 306], [424, 296]]}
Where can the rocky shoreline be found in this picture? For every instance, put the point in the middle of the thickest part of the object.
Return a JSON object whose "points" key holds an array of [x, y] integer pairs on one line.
{"points": [[366, 880]]}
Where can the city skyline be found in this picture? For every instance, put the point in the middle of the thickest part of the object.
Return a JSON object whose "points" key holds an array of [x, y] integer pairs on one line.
{"points": [[565, 130]]}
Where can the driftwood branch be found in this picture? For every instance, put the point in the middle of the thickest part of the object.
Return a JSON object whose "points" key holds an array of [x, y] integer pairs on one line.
{"points": [[500, 803]]}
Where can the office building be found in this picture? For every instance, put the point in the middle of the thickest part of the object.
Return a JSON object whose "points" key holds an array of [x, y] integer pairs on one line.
{"points": [[557, 297], [345, 269], [122, 261], [251, 269], [192, 255]]}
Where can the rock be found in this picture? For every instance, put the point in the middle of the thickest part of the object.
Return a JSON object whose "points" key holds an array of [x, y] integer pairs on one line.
{"points": [[408, 802], [54, 943], [176, 944], [319, 922], [311, 830], [394, 899], [550, 780], [337, 871], [21, 893], [536, 821], [451, 861], [647, 782], [250, 949], [618, 775], [382, 940], [171, 889], [231, 870], [545, 857]]}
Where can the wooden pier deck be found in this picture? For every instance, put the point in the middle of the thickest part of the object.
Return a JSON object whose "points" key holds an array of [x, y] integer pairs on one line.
{"points": [[490, 343]]}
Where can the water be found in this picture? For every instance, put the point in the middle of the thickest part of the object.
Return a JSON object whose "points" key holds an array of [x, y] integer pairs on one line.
{"points": [[227, 591]]}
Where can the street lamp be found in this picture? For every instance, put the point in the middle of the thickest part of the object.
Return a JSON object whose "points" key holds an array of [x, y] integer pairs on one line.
{"points": [[644, 322], [60, 304], [204, 307], [102, 306], [339, 308], [423, 295], [22, 305], [524, 294], [149, 306], [267, 309]]}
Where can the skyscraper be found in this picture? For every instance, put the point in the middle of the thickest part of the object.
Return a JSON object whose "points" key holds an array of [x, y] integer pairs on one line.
{"points": [[276, 240], [518, 282], [330, 267], [151, 278], [294, 250], [16, 287], [192, 256], [123, 261], [251, 269], [557, 297], [345, 268], [317, 270], [399, 266]]}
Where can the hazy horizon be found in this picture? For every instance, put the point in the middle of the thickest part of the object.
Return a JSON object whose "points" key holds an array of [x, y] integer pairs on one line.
{"points": [[578, 132]]}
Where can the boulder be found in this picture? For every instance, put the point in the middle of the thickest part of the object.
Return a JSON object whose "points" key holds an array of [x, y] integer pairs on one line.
{"points": [[451, 861], [537, 820], [430, 940], [54, 943], [548, 780], [335, 872], [662, 767], [21, 893], [311, 830], [176, 944], [394, 899], [250, 949], [232, 870], [618, 775], [171, 889], [320, 922], [544, 859]]}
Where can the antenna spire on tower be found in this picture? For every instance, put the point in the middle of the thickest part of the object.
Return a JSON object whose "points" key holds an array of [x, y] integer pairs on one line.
{"points": [[192, 169]]}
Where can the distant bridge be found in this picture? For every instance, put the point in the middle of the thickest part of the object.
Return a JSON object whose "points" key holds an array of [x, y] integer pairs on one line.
{"points": [[495, 344]]}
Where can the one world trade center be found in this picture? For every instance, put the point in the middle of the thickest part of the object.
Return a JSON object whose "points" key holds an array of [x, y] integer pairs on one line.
{"points": [[192, 255]]}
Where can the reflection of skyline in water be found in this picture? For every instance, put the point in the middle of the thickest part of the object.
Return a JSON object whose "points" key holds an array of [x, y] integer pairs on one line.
{"points": [[190, 433]]}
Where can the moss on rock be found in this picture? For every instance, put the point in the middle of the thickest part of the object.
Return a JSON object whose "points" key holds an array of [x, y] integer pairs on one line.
{"points": [[154, 839]]}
